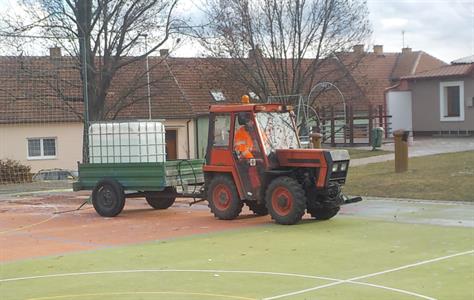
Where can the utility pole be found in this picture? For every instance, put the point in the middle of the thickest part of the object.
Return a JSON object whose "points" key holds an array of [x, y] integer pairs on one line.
{"points": [[147, 76]]}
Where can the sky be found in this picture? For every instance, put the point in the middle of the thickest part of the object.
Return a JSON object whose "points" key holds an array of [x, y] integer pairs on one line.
{"points": [[442, 28]]}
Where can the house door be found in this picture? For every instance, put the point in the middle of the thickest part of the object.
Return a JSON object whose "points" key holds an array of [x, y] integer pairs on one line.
{"points": [[171, 148]]}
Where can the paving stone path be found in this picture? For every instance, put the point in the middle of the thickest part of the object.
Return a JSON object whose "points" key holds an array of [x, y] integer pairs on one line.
{"points": [[421, 147]]}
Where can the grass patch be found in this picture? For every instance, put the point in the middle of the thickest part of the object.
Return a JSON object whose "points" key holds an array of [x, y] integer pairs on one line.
{"points": [[360, 153], [436, 177]]}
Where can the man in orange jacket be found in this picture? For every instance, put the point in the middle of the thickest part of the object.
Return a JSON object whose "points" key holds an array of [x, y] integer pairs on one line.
{"points": [[245, 148], [243, 142]]}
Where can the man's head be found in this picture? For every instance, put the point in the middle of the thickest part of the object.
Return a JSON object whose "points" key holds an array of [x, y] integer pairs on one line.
{"points": [[243, 118]]}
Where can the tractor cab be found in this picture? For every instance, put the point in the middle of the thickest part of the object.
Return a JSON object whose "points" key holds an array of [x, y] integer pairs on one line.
{"points": [[254, 156]]}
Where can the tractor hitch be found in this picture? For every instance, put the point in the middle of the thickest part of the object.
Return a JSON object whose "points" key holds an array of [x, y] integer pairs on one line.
{"points": [[352, 200]]}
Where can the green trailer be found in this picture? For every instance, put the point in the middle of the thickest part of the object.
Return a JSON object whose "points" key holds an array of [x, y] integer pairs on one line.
{"points": [[159, 182]]}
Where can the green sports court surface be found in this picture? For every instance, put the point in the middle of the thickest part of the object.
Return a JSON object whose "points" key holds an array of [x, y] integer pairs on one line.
{"points": [[345, 258]]}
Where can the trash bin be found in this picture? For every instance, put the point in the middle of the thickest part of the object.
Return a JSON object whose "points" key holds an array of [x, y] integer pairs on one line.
{"points": [[377, 136], [401, 150]]}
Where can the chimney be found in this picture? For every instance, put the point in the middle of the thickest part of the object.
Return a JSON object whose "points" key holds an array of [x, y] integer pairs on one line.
{"points": [[406, 50], [55, 52], [378, 50], [257, 52], [164, 52], [358, 49]]}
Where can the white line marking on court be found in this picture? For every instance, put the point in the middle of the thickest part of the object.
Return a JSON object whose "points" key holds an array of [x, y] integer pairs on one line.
{"points": [[353, 280], [393, 289], [143, 293], [335, 281], [168, 270]]}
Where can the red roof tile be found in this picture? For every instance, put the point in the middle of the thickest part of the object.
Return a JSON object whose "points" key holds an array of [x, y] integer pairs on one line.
{"points": [[180, 87], [444, 71]]}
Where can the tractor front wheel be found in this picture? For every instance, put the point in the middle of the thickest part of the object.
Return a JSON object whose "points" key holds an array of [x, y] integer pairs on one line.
{"points": [[108, 198], [223, 198], [323, 213], [286, 200]]}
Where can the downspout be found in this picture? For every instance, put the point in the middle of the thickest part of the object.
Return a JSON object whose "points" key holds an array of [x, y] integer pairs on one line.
{"points": [[385, 92], [188, 139], [196, 134]]}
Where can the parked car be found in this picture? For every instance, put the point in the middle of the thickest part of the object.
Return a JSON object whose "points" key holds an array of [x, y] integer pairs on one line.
{"points": [[55, 174]]}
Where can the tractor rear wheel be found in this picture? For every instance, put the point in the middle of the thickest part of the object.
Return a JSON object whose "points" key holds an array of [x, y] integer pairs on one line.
{"points": [[286, 200], [223, 198], [108, 198], [157, 201], [323, 213], [259, 209]]}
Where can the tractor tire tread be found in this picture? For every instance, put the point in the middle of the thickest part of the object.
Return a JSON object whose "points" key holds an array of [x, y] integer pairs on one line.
{"points": [[299, 200], [235, 207]]}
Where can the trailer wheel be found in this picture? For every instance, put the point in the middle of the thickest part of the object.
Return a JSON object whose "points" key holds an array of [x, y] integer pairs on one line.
{"points": [[223, 198], [108, 198], [323, 213], [259, 209], [158, 201], [286, 200]]}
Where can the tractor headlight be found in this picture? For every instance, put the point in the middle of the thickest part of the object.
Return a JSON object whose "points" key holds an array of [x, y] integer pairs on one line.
{"points": [[343, 166], [334, 167]]}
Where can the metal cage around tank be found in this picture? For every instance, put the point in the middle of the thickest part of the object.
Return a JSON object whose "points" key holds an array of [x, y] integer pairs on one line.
{"points": [[131, 141]]}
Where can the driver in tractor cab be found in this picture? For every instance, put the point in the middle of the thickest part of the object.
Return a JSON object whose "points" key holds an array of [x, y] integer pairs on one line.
{"points": [[243, 142]]}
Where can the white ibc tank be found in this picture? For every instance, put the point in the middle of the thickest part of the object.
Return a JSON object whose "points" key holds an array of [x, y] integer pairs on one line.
{"points": [[124, 142]]}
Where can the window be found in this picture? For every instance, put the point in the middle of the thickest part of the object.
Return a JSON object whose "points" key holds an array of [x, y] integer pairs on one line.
{"points": [[277, 131], [452, 101], [41, 148], [254, 96], [221, 130], [217, 95]]}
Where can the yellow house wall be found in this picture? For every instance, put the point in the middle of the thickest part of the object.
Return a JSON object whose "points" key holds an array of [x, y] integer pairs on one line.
{"points": [[184, 128], [14, 144]]}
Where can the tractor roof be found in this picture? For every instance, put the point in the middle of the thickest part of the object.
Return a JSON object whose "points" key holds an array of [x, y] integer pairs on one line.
{"points": [[249, 107]]}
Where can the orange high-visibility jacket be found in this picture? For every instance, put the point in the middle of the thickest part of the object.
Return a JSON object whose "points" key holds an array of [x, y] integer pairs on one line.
{"points": [[243, 142]]}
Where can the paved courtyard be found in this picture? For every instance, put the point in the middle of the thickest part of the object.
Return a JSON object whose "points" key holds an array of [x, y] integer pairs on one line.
{"points": [[421, 147]]}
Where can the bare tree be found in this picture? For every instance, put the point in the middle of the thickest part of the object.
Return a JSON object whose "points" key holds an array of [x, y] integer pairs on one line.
{"points": [[105, 38], [277, 46], [107, 33]]}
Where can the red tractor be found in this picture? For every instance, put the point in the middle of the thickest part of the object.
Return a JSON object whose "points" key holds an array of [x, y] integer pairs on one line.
{"points": [[254, 157]]}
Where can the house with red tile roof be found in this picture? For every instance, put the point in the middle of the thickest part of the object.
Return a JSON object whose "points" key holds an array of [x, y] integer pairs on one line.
{"points": [[373, 72], [441, 99], [181, 90]]}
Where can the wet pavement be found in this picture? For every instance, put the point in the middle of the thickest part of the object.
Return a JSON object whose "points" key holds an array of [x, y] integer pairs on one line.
{"points": [[442, 213], [421, 147]]}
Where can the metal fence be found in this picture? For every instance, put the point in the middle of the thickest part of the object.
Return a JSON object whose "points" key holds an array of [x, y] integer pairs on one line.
{"points": [[352, 127]]}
